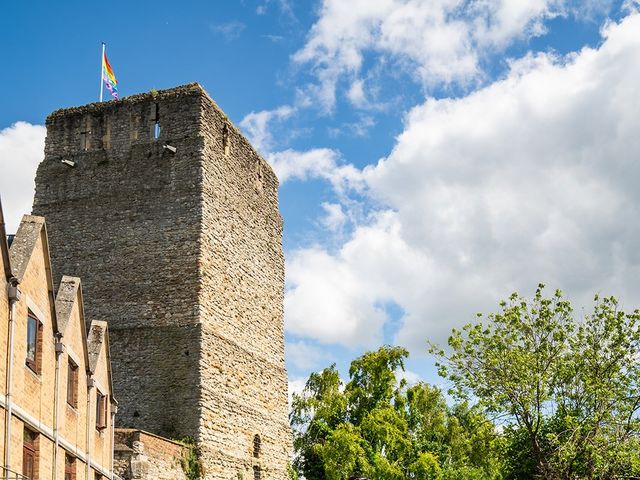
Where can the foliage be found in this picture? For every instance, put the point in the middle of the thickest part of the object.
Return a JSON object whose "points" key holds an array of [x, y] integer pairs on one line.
{"points": [[191, 462], [567, 391], [426, 467], [291, 473], [540, 395], [376, 427]]}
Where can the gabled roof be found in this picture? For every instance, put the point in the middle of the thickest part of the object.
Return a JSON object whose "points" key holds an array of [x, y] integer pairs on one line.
{"points": [[31, 228], [99, 335], [70, 293], [4, 247]]}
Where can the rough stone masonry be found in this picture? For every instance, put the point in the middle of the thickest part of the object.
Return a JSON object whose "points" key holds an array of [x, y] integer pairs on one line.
{"points": [[171, 219]]}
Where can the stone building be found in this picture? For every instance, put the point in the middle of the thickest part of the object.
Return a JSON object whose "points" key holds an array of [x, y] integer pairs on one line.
{"points": [[171, 219], [56, 398]]}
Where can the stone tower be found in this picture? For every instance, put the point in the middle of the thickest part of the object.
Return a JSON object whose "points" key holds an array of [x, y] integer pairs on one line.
{"points": [[171, 219]]}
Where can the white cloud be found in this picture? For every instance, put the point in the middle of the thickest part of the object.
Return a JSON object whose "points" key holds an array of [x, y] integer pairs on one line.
{"points": [[410, 377], [533, 178], [340, 298], [303, 355], [296, 385], [356, 93], [436, 41], [631, 6], [256, 126], [283, 5], [359, 128], [322, 163], [262, 129], [335, 218], [21, 150], [229, 30], [274, 38]]}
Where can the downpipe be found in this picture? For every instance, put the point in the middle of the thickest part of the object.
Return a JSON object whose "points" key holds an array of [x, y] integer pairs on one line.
{"points": [[90, 385], [14, 297], [56, 408]]}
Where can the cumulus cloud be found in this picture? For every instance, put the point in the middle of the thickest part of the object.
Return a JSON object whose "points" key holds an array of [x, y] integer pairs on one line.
{"points": [[319, 163], [439, 42], [335, 217], [356, 93], [341, 297], [21, 150], [304, 356], [532, 178], [257, 126]]}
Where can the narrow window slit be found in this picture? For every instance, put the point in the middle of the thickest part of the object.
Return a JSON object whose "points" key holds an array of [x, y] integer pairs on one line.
{"points": [[256, 446], [225, 139], [154, 120]]}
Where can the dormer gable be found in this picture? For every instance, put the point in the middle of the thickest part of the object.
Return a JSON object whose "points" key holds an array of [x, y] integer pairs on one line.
{"points": [[70, 314], [31, 245], [99, 355]]}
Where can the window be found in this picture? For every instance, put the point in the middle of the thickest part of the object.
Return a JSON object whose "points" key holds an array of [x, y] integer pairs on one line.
{"points": [[101, 411], [72, 384], [256, 446], [154, 119], [225, 139], [69, 467], [84, 134], [29, 446], [84, 140], [256, 473], [33, 342]]}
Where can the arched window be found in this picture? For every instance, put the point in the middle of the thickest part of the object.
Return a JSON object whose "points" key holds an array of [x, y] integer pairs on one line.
{"points": [[256, 446]]}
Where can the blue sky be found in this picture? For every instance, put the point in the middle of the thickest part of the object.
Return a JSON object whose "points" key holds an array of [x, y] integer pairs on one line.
{"points": [[434, 155]]}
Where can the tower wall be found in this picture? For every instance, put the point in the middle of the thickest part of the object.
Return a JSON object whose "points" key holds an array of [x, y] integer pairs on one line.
{"points": [[181, 253], [243, 284]]}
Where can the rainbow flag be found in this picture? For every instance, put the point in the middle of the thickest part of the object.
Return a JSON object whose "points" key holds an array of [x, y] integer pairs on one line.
{"points": [[108, 76]]}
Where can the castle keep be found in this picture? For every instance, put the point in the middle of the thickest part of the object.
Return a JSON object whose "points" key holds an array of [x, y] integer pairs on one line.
{"points": [[171, 219]]}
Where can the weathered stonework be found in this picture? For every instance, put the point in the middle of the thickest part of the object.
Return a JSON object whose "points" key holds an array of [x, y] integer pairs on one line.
{"points": [[180, 251], [140, 455]]}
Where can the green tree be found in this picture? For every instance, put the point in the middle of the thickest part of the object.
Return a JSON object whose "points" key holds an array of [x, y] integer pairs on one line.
{"points": [[342, 453], [314, 417], [375, 426], [568, 391]]}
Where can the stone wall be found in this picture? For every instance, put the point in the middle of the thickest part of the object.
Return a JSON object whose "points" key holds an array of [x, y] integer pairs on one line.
{"points": [[126, 220], [140, 455], [243, 283], [181, 253]]}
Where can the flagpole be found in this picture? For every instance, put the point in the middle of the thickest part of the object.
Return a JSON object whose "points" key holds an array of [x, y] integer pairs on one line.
{"points": [[101, 68]]}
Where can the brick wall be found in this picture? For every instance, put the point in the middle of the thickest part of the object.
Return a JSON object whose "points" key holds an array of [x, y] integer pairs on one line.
{"points": [[143, 456]]}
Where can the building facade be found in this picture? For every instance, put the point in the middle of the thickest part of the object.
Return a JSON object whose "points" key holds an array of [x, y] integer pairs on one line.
{"points": [[56, 399], [171, 219]]}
